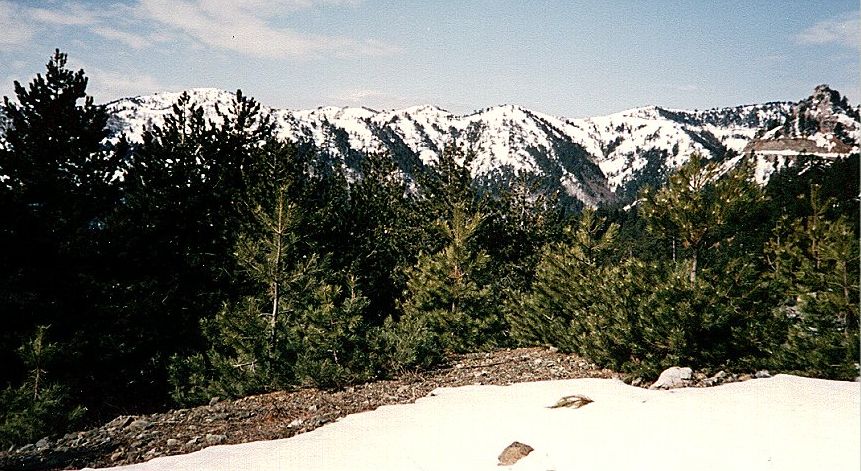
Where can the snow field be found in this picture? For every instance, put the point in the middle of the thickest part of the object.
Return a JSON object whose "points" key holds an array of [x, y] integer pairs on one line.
{"points": [[780, 423]]}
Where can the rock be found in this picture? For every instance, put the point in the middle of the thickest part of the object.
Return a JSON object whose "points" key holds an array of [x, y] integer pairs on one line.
{"points": [[295, 423], [762, 374], [513, 453], [121, 422], [42, 444], [312, 408], [637, 381], [720, 375], [116, 456], [172, 442], [26, 448], [140, 424], [552, 349], [193, 441], [214, 401], [674, 377], [213, 439]]}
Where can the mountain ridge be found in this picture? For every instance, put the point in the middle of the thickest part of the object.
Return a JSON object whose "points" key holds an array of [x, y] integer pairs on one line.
{"points": [[593, 160]]}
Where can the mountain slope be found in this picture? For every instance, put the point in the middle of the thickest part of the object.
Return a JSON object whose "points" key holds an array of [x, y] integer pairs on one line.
{"points": [[593, 160]]}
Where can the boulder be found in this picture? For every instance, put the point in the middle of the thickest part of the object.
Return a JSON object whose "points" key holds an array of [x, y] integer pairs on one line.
{"points": [[674, 377]]}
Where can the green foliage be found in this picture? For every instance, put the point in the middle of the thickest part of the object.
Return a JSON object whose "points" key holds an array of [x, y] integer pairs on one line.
{"points": [[814, 261], [386, 233], [642, 316], [564, 281], [697, 207], [445, 293], [58, 187], [39, 406], [295, 325]]}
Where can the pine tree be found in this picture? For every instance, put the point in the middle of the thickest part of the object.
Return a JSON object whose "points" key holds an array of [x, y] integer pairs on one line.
{"points": [[814, 261], [385, 234], [294, 325], [556, 311], [697, 205], [40, 405], [445, 291], [58, 186]]}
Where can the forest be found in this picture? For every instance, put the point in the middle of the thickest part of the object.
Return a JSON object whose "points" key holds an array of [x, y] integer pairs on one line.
{"points": [[214, 259]]}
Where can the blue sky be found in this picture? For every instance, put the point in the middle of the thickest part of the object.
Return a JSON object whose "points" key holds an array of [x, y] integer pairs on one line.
{"points": [[568, 58]]}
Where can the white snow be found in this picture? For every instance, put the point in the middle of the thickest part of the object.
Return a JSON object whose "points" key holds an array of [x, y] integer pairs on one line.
{"points": [[781, 423]]}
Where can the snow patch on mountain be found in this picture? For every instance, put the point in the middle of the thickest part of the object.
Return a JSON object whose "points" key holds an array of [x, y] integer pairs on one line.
{"points": [[594, 160]]}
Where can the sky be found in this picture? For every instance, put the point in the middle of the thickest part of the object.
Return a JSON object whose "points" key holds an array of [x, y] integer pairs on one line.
{"points": [[566, 58]]}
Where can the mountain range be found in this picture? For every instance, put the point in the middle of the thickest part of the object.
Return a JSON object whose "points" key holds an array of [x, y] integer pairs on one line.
{"points": [[594, 161]]}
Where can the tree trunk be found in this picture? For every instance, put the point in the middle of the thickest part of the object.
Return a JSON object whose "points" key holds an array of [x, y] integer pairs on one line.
{"points": [[276, 272], [694, 268]]}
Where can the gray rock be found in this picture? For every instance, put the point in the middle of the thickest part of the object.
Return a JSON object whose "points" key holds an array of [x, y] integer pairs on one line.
{"points": [[140, 424], [214, 401], [762, 374], [193, 441], [42, 444], [213, 439], [172, 442], [116, 456], [120, 422], [674, 377], [26, 448]]}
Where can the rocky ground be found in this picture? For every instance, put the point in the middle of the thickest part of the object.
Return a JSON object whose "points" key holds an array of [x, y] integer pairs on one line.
{"points": [[132, 439]]}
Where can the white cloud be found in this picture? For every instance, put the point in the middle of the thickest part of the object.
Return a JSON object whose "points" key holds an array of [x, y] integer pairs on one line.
{"points": [[106, 85], [71, 15], [16, 31], [843, 29], [133, 40], [246, 27]]}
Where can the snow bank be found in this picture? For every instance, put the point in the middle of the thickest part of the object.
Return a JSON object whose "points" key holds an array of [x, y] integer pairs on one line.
{"points": [[780, 423]]}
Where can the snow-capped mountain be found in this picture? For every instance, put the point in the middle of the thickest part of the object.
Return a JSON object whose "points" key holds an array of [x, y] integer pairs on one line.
{"points": [[594, 160]]}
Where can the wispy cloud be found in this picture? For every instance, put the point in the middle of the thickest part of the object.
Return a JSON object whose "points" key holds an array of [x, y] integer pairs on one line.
{"points": [[133, 40], [106, 85], [246, 27], [16, 31], [843, 29], [70, 14]]}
